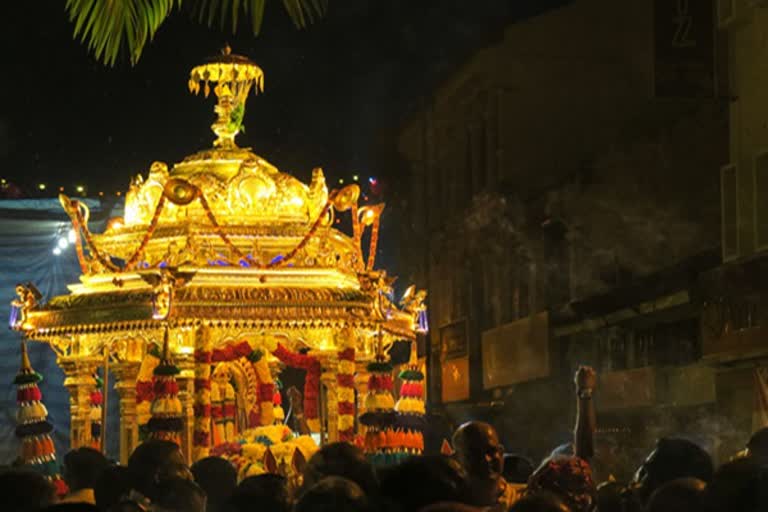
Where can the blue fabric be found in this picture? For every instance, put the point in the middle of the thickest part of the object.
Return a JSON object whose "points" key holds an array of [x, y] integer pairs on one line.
{"points": [[29, 231]]}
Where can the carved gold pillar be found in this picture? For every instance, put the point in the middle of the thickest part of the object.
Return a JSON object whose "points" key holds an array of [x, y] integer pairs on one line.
{"points": [[328, 381], [186, 382], [79, 382], [125, 374], [361, 387]]}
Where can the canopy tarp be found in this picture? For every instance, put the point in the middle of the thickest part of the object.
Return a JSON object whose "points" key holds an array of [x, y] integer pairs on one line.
{"points": [[30, 230]]}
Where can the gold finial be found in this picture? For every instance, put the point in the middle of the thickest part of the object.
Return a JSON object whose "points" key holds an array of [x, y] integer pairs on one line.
{"points": [[166, 346], [26, 366], [233, 76], [413, 360]]}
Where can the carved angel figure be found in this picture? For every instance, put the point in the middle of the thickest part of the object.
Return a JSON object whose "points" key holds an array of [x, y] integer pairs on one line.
{"points": [[27, 301]]}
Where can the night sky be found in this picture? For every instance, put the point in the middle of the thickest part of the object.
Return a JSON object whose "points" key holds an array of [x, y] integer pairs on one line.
{"points": [[330, 89]]}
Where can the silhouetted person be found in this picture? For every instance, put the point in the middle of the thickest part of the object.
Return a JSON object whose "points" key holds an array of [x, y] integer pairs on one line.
{"points": [[333, 494], [671, 459], [81, 468], [343, 460], [540, 502], [72, 507], [179, 495], [25, 491], [218, 478], [111, 487], [684, 494], [419, 482], [268, 490], [739, 486], [478, 449], [568, 478], [154, 461]]}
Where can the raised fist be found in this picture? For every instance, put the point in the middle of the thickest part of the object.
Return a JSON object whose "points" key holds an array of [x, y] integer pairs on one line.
{"points": [[585, 379]]}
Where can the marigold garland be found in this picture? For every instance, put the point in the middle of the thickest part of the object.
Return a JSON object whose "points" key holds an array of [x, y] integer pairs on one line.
{"points": [[145, 389], [201, 438], [346, 408]]}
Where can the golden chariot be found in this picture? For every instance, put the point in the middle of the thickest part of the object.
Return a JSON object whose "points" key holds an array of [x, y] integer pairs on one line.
{"points": [[240, 268]]}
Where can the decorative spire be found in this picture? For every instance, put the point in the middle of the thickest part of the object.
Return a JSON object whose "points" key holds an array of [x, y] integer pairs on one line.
{"points": [[26, 366], [234, 75], [33, 428]]}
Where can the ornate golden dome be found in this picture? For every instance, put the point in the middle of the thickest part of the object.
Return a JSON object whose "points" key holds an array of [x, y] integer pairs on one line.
{"points": [[226, 203], [241, 187]]}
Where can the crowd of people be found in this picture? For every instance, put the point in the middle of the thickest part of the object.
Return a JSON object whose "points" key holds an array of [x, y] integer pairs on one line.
{"points": [[678, 475]]}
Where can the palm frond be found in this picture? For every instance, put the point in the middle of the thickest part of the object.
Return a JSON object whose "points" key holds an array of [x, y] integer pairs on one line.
{"points": [[109, 26], [302, 12]]}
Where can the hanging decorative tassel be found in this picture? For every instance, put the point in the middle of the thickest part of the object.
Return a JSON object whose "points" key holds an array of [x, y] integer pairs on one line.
{"points": [[380, 416], [410, 408], [166, 421], [33, 428]]}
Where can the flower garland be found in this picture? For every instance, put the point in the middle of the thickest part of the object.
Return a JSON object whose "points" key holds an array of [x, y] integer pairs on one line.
{"points": [[266, 393], [167, 420], [311, 381], [345, 380], [201, 438], [145, 389], [33, 428], [96, 399], [217, 404]]}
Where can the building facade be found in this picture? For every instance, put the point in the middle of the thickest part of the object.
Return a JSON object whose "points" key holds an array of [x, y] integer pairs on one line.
{"points": [[556, 179]]}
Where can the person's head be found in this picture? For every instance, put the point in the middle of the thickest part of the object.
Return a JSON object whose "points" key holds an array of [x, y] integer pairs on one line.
{"points": [[739, 486], [218, 478], [154, 461], [672, 459], [517, 469], [421, 481], [82, 467], [179, 495], [680, 494], [270, 491], [539, 502], [72, 507], [343, 460], [25, 491], [111, 486], [569, 478], [478, 449], [757, 447], [333, 494]]}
